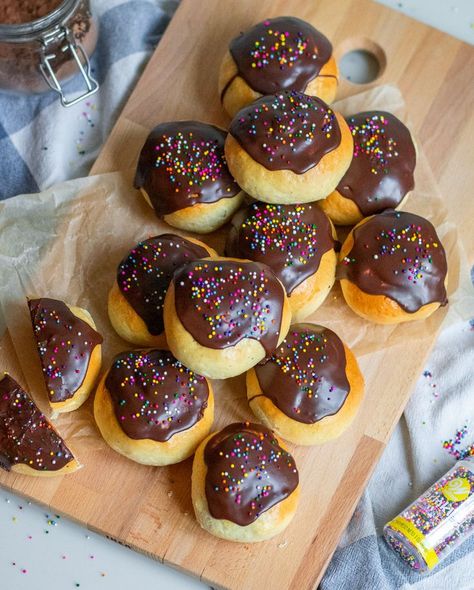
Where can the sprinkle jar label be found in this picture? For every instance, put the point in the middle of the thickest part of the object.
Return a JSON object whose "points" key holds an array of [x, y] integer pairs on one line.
{"points": [[435, 524], [456, 490]]}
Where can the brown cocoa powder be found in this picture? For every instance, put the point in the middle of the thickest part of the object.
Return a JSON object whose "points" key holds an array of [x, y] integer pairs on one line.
{"points": [[19, 61], [25, 11]]}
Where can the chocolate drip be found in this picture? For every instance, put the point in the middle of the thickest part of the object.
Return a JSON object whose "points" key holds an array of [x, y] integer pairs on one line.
{"points": [[181, 164], [65, 343], [145, 273], [399, 255], [247, 473], [154, 396], [381, 172], [287, 131], [26, 437], [283, 53], [222, 302], [306, 376], [290, 239]]}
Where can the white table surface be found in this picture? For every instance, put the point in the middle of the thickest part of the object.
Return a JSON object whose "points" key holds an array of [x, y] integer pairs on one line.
{"points": [[39, 551]]}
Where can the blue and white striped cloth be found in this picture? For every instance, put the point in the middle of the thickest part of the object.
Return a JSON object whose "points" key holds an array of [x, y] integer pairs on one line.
{"points": [[42, 143]]}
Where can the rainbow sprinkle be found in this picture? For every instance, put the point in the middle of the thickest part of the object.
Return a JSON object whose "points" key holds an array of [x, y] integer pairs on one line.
{"points": [[286, 120], [279, 46], [189, 162], [243, 290], [371, 141], [451, 445], [275, 227], [306, 376], [154, 388], [400, 241]]}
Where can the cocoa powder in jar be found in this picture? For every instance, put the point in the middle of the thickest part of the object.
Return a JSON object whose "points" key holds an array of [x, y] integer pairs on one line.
{"points": [[20, 61], [24, 11]]}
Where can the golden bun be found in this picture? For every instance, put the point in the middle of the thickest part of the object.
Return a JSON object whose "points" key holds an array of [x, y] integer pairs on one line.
{"points": [[34, 439], [216, 363], [70, 467], [286, 186], [237, 94], [269, 524], [312, 292], [379, 309], [300, 433], [147, 451], [344, 211], [126, 321], [202, 218], [93, 370]]}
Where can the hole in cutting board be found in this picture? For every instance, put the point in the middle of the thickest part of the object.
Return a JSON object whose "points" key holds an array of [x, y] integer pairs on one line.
{"points": [[360, 60]]}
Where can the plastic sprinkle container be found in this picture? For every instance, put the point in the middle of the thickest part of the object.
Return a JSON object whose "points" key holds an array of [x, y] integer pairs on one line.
{"points": [[439, 521]]}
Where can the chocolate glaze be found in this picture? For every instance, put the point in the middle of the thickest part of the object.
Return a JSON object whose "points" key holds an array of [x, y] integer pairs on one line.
{"points": [[290, 239], [381, 172], [399, 255], [306, 376], [283, 53], [65, 344], [287, 131], [247, 472], [145, 273], [26, 437], [222, 302], [154, 396], [182, 163]]}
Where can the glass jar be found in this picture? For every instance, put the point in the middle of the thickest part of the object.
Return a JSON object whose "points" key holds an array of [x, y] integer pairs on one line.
{"points": [[41, 54], [442, 518]]}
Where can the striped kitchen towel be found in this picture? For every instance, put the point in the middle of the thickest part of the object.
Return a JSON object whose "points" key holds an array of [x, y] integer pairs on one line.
{"points": [[42, 143]]}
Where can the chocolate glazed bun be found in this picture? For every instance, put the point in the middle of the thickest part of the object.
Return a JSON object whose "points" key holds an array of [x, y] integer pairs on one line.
{"points": [[296, 242], [284, 53], [381, 174], [183, 175], [224, 315], [70, 351], [29, 445], [288, 148], [245, 484], [393, 268], [309, 391], [138, 293], [152, 409]]}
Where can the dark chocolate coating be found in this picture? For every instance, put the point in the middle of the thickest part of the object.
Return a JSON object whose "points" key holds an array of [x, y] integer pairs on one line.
{"points": [[182, 163], [287, 131], [26, 436], [381, 172], [306, 376], [145, 273], [399, 255], [283, 53], [153, 395], [222, 302], [290, 239], [65, 344], [247, 472]]}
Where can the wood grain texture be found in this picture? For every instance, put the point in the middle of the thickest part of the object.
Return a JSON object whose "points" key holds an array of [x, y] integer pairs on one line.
{"points": [[150, 509], [433, 70]]}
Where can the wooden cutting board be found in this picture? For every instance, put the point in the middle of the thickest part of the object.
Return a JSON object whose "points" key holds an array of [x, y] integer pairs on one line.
{"points": [[435, 73]]}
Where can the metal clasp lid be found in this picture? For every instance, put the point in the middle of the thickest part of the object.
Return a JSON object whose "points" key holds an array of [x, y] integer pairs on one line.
{"points": [[78, 54]]}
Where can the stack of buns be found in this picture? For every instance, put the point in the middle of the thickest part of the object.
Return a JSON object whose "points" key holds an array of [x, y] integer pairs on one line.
{"points": [[288, 169]]}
